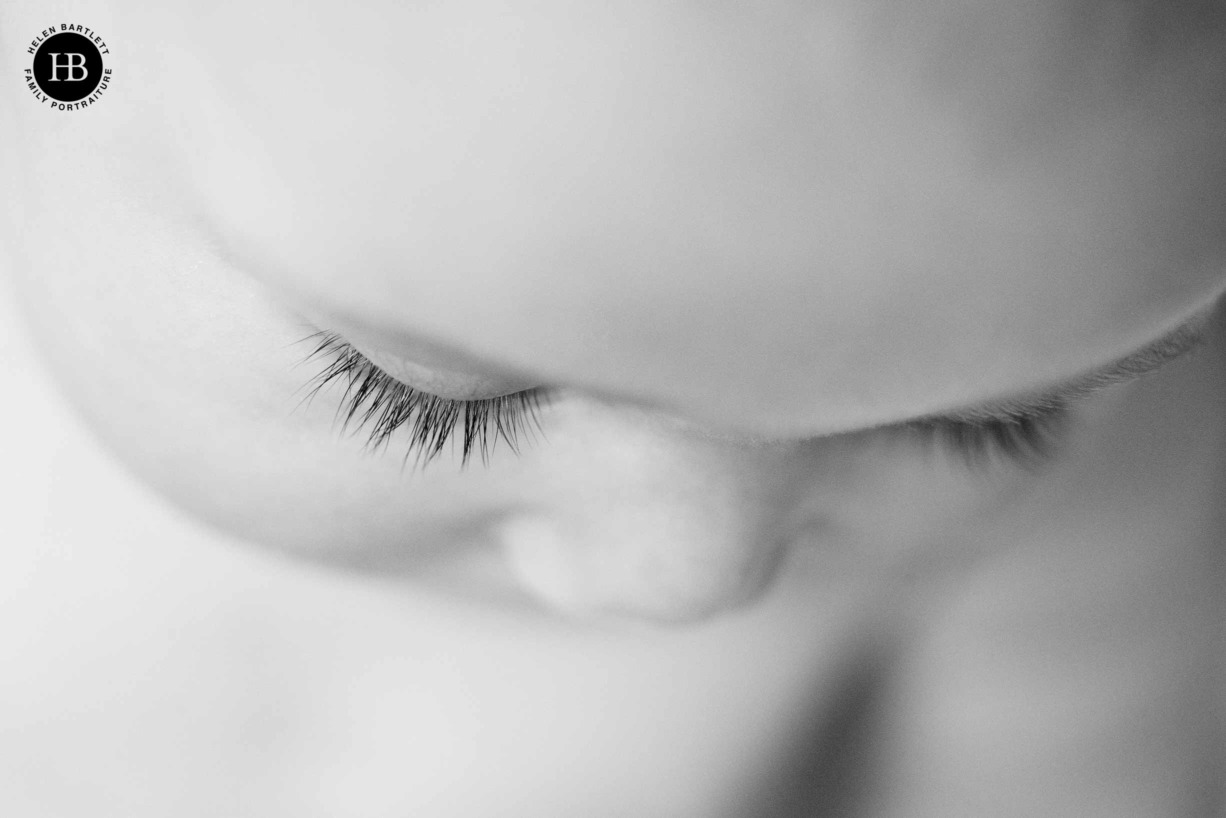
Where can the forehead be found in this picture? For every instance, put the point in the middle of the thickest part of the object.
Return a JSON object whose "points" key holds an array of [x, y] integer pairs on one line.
{"points": [[757, 216]]}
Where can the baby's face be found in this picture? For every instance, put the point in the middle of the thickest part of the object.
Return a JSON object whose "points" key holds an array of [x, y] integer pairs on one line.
{"points": [[735, 250]]}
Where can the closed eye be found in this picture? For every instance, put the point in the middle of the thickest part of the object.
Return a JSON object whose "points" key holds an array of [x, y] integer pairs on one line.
{"points": [[377, 404]]}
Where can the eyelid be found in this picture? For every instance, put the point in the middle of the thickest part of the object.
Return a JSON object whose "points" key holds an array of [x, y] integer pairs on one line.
{"points": [[443, 383], [425, 365], [1031, 407], [1146, 361]]}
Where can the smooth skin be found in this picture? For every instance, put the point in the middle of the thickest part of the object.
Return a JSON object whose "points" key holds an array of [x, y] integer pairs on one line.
{"points": [[736, 243]]}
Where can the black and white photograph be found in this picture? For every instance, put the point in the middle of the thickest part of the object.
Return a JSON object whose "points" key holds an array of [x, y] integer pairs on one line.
{"points": [[542, 409]]}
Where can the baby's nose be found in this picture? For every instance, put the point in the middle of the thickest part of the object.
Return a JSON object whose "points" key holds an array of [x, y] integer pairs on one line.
{"points": [[649, 521]]}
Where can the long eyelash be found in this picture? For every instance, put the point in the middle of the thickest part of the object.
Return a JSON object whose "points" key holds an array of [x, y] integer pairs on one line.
{"points": [[376, 401], [1028, 439]]}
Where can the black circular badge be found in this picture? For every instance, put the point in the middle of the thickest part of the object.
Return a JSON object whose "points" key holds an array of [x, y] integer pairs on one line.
{"points": [[67, 66]]}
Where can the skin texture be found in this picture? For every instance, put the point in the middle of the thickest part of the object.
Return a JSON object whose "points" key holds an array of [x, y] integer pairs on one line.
{"points": [[734, 241]]}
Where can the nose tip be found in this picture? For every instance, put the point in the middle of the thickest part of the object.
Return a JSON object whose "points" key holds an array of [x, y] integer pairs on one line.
{"points": [[645, 519], [654, 564]]}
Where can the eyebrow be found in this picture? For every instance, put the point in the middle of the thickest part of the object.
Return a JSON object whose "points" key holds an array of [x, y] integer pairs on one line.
{"points": [[1145, 361]]}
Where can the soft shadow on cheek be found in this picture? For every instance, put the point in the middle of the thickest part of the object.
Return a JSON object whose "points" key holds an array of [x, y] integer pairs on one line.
{"points": [[888, 500]]}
